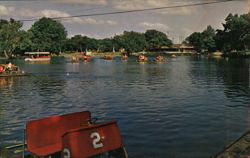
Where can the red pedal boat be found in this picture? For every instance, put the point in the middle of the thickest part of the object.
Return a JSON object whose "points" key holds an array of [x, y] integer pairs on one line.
{"points": [[74, 136]]}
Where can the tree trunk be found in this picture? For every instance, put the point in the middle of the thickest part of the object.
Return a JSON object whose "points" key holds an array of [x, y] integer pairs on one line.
{"points": [[6, 54]]}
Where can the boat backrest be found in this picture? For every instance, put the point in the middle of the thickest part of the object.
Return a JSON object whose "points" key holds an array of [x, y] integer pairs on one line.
{"points": [[42, 134], [91, 141]]}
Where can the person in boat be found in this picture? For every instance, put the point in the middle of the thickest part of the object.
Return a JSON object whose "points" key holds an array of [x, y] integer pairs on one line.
{"points": [[142, 58], [9, 66], [86, 57], [125, 57], [159, 58]]}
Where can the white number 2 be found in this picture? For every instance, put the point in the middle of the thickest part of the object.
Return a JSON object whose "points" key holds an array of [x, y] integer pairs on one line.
{"points": [[66, 153], [96, 140]]}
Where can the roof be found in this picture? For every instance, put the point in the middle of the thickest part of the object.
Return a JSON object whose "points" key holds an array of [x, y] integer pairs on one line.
{"points": [[37, 53]]}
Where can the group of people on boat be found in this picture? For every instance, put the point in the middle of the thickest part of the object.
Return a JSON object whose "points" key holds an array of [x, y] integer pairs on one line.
{"points": [[7, 68], [142, 58]]}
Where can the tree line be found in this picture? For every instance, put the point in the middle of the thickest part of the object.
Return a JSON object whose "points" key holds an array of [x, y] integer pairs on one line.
{"points": [[50, 35], [234, 37]]}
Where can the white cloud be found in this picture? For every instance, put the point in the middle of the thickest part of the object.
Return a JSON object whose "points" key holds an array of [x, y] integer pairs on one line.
{"points": [[142, 4], [4, 11], [29, 13], [53, 13], [157, 26], [77, 20], [248, 6], [111, 22]]}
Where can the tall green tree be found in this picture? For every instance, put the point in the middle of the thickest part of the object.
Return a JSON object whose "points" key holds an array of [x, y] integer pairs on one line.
{"points": [[195, 39], [9, 36], [204, 41], [48, 35], [156, 39], [208, 39], [25, 43], [236, 33], [131, 41], [105, 45]]}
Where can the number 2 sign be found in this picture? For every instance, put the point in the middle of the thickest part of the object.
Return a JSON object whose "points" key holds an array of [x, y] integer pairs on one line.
{"points": [[96, 140]]}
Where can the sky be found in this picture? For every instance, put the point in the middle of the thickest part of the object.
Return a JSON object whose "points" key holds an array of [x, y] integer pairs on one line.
{"points": [[177, 23]]}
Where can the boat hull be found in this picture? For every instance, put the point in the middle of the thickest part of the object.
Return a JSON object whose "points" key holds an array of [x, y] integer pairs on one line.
{"points": [[37, 59], [16, 74]]}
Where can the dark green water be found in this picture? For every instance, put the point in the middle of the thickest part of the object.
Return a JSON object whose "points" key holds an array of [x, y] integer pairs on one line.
{"points": [[188, 107]]}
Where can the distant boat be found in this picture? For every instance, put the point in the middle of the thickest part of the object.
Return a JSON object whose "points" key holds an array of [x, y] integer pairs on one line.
{"points": [[107, 57], [37, 56], [74, 59], [173, 56], [86, 58], [142, 58], [217, 54], [124, 57], [159, 58], [12, 73]]}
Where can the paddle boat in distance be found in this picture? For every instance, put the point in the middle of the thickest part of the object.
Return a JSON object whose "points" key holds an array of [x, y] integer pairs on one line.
{"points": [[108, 57], [86, 58], [124, 57], [12, 71], [173, 56], [160, 59], [142, 58], [74, 135], [74, 59], [37, 56]]}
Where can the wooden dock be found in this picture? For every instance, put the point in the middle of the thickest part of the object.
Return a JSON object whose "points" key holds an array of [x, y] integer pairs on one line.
{"points": [[238, 149]]}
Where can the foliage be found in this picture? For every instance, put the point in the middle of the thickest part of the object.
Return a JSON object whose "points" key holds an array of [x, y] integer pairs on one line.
{"points": [[195, 39], [236, 33], [105, 45], [48, 35], [25, 43], [204, 41], [10, 36], [131, 41], [156, 39]]}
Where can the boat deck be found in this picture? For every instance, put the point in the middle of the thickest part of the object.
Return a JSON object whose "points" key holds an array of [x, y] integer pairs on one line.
{"points": [[238, 149]]}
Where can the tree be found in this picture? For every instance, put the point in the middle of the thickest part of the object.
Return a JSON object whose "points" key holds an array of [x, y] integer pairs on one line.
{"points": [[195, 39], [9, 36], [48, 35], [131, 41], [204, 41], [236, 33], [156, 39], [208, 39], [81, 43], [105, 45], [25, 43]]}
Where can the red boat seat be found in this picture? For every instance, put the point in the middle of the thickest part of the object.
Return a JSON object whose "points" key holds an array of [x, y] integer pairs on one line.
{"points": [[44, 136], [91, 141]]}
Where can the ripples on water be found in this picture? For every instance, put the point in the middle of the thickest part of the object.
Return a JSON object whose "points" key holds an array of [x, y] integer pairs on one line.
{"points": [[186, 107]]}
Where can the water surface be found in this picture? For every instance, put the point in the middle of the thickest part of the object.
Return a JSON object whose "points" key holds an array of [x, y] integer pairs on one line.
{"points": [[187, 107]]}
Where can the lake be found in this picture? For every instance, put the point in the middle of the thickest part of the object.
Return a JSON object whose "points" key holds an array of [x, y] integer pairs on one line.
{"points": [[188, 107]]}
